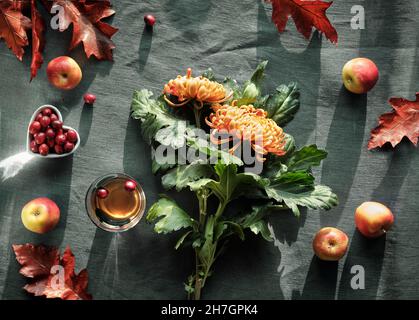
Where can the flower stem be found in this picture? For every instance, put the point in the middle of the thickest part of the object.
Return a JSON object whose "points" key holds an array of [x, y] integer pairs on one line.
{"points": [[202, 196], [202, 270], [197, 114], [220, 209], [198, 284]]}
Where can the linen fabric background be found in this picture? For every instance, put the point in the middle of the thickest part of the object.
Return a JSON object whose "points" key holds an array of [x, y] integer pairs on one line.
{"points": [[231, 37]]}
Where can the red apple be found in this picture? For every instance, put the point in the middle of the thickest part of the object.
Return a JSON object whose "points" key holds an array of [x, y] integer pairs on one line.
{"points": [[330, 244], [40, 215], [373, 219], [360, 75], [64, 73]]}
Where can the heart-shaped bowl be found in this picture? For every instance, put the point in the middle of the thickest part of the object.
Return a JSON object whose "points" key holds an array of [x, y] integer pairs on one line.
{"points": [[60, 117]]}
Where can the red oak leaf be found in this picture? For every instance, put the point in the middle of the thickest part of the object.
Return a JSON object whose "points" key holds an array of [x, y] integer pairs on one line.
{"points": [[403, 121], [306, 14], [38, 40], [13, 26], [88, 27], [52, 277]]}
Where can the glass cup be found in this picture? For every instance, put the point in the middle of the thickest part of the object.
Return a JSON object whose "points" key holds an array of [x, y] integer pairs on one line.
{"points": [[116, 208]]}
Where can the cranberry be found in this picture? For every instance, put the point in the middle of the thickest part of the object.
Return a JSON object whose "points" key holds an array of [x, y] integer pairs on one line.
{"points": [[40, 137], [130, 185], [102, 193], [71, 136], [45, 121], [33, 146], [47, 112], [43, 150], [58, 149], [60, 139], [39, 117], [53, 117], [89, 98], [57, 124], [35, 127], [50, 133], [149, 20], [68, 147], [51, 143]]}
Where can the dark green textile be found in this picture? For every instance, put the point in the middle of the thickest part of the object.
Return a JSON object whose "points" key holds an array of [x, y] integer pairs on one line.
{"points": [[231, 37]]}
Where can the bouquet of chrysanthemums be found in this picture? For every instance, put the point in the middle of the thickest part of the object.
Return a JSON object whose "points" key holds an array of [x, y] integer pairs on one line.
{"points": [[225, 141]]}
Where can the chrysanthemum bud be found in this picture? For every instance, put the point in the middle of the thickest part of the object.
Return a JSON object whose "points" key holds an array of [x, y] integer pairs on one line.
{"points": [[250, 93]]}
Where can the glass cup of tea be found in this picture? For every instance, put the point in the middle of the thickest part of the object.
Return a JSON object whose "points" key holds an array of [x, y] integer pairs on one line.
{"points": [[115, 202]]}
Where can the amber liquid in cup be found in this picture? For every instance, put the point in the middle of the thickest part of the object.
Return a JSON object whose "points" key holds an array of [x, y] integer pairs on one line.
{"points": [[121, 209]]}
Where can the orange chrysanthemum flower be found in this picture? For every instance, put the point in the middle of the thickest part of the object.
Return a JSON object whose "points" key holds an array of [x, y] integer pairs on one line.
{"points": [[247, 124], [200, 89]]}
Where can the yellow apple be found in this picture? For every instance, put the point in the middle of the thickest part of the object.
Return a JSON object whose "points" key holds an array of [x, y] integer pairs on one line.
{"points": [[40, 215]]}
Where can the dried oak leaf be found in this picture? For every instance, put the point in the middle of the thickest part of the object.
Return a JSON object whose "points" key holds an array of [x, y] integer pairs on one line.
{"points": [[42, 264], [88, 27], [306, 15], [13, 26], [38, 39], [403, 121]]}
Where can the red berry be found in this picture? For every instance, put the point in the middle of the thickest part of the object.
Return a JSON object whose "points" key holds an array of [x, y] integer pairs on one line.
{"points": [[35, 127], [43, 149], [45, 121], [130, 185], [33, 146], [50, 133], [89, 98], [39, 117], [68, 147], [60, 139], [47, 112], [149, 20], [53, 117], [72, 135], [58, 149], [57, 124], [40, 137], [102, 193], [51, 143]]}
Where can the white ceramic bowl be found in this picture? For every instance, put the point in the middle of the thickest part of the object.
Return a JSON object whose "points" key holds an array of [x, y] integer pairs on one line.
{"points": [[60, 117]]}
